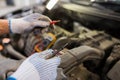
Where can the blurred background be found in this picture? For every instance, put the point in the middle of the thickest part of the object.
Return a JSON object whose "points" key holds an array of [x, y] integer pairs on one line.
{"points": [[4, 3]]}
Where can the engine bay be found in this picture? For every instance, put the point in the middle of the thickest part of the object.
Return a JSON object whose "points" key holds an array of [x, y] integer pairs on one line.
{"points": [[89, 54]]}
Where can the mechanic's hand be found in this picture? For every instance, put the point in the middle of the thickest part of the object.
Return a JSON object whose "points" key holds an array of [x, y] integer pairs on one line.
{"points": [[29, 22], [36, 67]]}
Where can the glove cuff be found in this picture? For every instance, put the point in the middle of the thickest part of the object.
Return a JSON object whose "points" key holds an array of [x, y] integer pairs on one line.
{"points": [[11, 78], [10, 25], [18, 25]]}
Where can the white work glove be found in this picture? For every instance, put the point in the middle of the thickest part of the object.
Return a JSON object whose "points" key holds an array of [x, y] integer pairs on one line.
{"points": [[36, 67], [20, 25]]}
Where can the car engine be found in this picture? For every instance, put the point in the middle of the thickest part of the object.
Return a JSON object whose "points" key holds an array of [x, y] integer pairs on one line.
{"points": [[89, 54]]}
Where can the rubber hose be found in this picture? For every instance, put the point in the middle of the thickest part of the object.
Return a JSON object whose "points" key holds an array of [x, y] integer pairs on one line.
{"points": [[13, 52]]}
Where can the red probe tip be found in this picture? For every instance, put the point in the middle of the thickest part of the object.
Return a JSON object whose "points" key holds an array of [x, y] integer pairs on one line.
{"points": [[54, 22]]}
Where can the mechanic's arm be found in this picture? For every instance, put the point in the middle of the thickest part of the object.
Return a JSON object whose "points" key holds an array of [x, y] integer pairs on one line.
{"points": [[4, 27], [20, 25]]}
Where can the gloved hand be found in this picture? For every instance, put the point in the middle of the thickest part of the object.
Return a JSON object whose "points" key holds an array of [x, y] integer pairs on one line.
{"points": [[36, 67], [29, 22]]}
